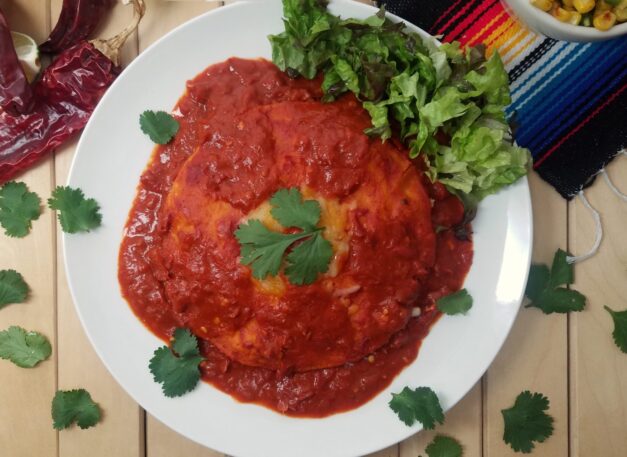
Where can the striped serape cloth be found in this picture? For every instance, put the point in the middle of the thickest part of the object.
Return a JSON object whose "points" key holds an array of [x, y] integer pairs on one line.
{"points": [[569, 100]]}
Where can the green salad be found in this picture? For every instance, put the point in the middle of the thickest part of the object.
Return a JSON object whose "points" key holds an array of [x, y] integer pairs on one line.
{"points": [[445, 103]]}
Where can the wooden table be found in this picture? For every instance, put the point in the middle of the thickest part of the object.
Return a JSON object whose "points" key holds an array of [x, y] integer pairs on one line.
{"points": [[571, 359]]}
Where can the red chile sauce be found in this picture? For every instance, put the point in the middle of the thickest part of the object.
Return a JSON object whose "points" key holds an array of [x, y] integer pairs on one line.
{"points": [[215, 96]]}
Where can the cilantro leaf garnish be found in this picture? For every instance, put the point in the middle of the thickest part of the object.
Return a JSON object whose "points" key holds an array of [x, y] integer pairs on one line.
{"points": [[159, 126], [185, 343], [76, 213], [527, 421], [69, 406], [308, 259], [290, 210], [18, 209], [543, 287], [420, 404], [456, 303], [25, 349], [620, 328], [444, 446], [13, 288], [176, 368], [264, 250]]}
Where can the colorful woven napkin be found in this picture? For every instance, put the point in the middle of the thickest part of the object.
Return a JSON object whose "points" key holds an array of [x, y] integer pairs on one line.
{"points": [[569, 101]]}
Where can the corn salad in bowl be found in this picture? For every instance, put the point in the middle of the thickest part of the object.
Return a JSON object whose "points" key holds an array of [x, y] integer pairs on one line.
{"points": [[573, 20], [600, 14]]}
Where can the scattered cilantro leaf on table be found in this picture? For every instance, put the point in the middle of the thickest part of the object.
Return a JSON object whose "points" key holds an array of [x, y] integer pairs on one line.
{"points": [[76, 213], [444, 446], [13, 288], [538, 280], [18, 209], [561, 270], [527, 421], [620, 328], [69, 406], [176, 368], [544, 291], [24, 349], [456, 303], [264, 249], [420, 404], [159, 126]]}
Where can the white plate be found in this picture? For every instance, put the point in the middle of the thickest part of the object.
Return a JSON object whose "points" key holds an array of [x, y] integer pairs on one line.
{"points": [[112, 154]]}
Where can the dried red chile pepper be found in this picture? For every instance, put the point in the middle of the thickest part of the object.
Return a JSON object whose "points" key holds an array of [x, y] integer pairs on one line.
{"points": [[65, 97], [16, 95], [77, 21]]}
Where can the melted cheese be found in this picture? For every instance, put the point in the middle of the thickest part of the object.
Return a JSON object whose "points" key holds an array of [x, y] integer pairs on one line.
{"points": [[333, 216]]}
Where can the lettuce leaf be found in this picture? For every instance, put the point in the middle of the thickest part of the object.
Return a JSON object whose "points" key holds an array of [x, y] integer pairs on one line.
{"points": [[446, 103]]}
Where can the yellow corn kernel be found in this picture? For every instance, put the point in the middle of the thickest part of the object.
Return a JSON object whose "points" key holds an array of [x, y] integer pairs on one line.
{"points": [[583, 6], [621, 11], [575, 18], [544, 5], [602, 6], [604, 21], [568, 4], [561, 14]]}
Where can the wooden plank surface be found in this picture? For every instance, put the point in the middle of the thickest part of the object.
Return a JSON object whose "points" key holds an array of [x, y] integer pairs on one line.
{"points": [[79, 365], [534, 356], [25, 394], [570, 359], [598, 369]]}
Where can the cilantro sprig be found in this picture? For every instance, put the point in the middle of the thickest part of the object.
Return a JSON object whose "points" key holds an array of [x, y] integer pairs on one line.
{"points": [[18, 209], [69, 406], [544, 291], [444, 446], [459, 302], [527, 421], [159, 126], [176, 368], [290, 210], [264, 249], [76, 213], [420, 404], [13, 288], [25, 349], [620, 328]]}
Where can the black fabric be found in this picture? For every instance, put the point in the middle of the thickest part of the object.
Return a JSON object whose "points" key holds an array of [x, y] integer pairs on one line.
{"points": [[419, 12], [532, 58], [578, 159]]}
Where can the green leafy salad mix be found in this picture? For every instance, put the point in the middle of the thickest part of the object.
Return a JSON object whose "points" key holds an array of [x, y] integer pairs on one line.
{"points": [[446, 103]]}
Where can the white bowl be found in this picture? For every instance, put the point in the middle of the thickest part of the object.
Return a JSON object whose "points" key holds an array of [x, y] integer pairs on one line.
{"points": [[542, 22]]}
